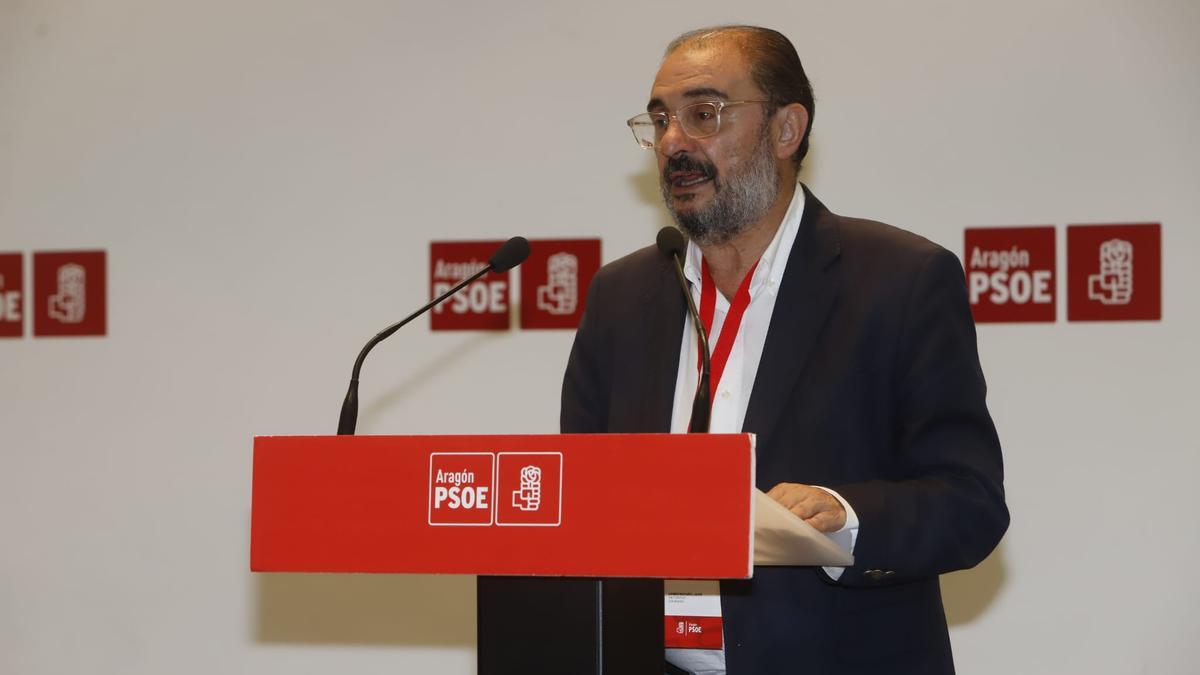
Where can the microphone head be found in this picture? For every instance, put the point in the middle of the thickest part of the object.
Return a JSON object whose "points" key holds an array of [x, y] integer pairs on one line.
{"points": [[670, 242], [510, 254]]}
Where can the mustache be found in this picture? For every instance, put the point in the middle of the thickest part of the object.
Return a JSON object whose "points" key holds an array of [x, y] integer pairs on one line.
{"points": [[685, 163]]}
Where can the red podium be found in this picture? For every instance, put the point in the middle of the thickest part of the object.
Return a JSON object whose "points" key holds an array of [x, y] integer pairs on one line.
{"points": [[607, 516]]}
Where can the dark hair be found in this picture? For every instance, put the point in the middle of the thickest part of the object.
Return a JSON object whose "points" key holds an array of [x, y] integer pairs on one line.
{"points": [[774, 66]]}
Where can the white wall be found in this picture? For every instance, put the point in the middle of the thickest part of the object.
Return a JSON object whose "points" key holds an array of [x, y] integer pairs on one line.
{"points": [[266, 177]]}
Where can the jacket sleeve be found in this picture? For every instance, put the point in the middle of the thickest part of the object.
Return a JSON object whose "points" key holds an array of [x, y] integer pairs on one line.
{"points": [[946, 509], [585, 384]]}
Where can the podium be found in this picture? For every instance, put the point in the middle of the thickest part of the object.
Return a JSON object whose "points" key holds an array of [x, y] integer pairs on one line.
{"points": [[570, 535]]}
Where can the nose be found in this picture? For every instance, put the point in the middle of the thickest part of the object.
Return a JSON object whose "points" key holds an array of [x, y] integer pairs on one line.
{"points": [[674, 141]]}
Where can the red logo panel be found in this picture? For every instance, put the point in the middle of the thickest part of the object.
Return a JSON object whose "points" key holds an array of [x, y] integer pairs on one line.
{"points": [[69, 293], [366, 503], [484, 305], [1114, 272], [554, 281], [1010, 273], [529, 488], [692, 632], [12, 295], [460, 488]]}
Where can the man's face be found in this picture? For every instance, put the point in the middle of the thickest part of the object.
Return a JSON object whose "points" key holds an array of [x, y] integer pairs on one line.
{"points": [[715, 187]]}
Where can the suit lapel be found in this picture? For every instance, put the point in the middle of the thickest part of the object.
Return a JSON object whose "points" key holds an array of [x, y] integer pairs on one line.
{"points": [[664, 311], [806, 295]]}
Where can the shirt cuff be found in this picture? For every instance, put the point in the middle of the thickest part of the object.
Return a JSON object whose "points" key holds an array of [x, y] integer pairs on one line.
{"points": [[845, 537]]}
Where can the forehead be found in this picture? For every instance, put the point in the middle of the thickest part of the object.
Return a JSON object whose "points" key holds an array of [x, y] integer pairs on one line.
{"points": [[714, 71]]}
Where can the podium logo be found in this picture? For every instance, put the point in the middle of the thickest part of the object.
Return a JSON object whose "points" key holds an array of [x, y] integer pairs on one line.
{"points": [[554, 281], [531, 484], [507, 488], [1010, 273], [529, 496], [69, 293], [1114, 272], [460, 488], [12, 293]]}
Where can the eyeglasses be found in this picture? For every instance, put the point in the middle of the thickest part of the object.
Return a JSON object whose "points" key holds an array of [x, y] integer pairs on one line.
{"points": [[697, 120]]}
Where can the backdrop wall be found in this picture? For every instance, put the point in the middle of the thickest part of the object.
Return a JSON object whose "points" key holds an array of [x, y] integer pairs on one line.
{"points": [[266, 177]]}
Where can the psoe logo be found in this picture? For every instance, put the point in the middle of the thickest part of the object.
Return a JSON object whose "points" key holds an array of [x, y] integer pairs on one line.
{"points": [[530, 488], [1010, 273], [69, 303], [1113, 284], [528, 497], [554, 282], [69, 293], [560, 294], [486, 488], [483, 304], [1114, 272], [460, 488]]}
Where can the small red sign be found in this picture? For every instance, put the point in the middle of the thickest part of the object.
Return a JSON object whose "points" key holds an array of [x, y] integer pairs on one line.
{"points": [[69, 293], [529, 488], [1010, 273], [692, 632], [12, 295], [483, 305], [1114, 272], [460, 488], [554, 281]]}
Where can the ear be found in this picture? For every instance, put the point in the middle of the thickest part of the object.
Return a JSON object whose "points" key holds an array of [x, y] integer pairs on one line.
{"points": [[790, 121]]}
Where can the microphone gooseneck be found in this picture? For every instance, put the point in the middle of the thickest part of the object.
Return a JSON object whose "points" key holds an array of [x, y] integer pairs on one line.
{"points": [[671, 244], [510, 254]]}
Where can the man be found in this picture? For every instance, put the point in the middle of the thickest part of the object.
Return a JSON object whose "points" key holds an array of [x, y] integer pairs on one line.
{"points": [[846, 345]]}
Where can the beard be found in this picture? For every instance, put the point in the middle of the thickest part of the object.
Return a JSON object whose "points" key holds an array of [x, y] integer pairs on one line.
{"points": [[739, 201]]}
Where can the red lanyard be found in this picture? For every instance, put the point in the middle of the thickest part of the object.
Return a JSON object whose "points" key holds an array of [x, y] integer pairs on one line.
{"points": [[729, 329]]}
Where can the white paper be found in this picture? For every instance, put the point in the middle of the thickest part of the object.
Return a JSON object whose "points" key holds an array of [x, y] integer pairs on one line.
{"points": [[692, 597], [783, 538]]}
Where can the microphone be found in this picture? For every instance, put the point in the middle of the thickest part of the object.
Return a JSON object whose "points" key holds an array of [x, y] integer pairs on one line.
{"points": [[510, 254], [671, 244]]}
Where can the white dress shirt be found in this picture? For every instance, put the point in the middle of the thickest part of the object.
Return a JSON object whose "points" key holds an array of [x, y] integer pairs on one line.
{"points": [[732, 395]]}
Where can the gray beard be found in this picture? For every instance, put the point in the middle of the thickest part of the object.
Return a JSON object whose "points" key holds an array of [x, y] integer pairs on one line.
{"points": [[738, 202]]}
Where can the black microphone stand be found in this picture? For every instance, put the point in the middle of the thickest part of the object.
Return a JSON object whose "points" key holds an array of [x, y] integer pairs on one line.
{"points": [[702, 403], [348, 420], [670, 242]]}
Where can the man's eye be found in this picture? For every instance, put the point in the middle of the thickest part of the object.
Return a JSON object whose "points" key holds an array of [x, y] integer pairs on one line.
{"points": [[660, 122]]}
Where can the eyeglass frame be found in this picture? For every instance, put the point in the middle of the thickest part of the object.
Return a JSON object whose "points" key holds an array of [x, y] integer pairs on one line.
{"points": [[718, 104]]}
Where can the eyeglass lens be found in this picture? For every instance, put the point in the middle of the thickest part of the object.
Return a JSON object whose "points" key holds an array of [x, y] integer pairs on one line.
{"points": [[697, 121]]}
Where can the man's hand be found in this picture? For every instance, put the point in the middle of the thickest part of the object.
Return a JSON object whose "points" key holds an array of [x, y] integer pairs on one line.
{"points": [[816, 506]]}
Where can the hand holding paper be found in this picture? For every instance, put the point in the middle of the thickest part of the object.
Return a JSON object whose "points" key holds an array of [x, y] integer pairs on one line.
{"points": [[783, 538], [815, 506]]}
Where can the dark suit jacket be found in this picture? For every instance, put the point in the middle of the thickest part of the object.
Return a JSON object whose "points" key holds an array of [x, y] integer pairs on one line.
{"points": [[869, 384]]}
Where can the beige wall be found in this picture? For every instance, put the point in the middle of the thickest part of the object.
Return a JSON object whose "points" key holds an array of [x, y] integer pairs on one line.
{"points": [[266, 177]]}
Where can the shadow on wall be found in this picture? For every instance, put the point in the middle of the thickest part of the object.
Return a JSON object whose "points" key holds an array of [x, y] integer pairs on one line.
{"points": [[432, 610], [370, 609], [967, 594], [429, 370]]}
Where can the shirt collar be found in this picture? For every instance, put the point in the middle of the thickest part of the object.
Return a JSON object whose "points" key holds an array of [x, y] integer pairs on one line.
{"points": [[774, 260]]}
